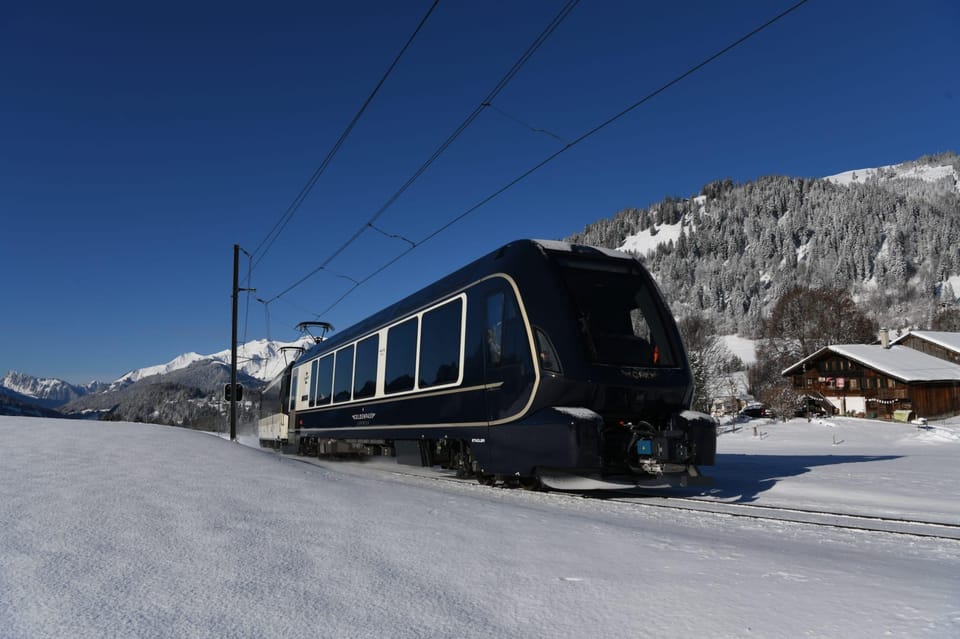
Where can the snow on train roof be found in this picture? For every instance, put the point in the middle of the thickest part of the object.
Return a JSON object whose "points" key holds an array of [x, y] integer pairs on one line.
{"points": [[556, 245]]}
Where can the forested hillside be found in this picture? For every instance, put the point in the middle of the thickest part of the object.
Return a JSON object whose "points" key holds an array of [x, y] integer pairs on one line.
{"points": [[889, 236], [185, 397]]}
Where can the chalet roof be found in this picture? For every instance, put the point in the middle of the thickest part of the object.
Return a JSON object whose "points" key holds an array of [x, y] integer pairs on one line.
{"points": [[899, 362], [950, 341]]}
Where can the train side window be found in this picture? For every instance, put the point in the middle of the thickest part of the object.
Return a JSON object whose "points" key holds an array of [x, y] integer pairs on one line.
{"points": [[401, 356], [546, 352], [293, 391], [494, 328], [441, 341], [506, 336], [313, 386], [365, 370], [647, 324], [324, 380], [343, 374]]}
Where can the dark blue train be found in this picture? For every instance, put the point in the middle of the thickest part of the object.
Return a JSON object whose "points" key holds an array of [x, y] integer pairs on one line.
{"points": [[540, 363]]}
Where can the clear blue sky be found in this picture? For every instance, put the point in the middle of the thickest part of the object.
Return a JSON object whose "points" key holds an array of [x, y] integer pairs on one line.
{"points": [[140, 142]]}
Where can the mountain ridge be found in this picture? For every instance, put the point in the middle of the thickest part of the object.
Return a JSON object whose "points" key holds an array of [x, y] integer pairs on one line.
{"points": [[889, 237], [258, 362]]}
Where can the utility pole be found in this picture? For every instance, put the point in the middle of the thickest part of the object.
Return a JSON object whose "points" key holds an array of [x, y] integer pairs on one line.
{"points": [[236, 393], [233, 344]]}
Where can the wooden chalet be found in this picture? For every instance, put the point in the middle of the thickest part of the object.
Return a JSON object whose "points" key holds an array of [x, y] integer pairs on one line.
{"points": [[920, 372]]}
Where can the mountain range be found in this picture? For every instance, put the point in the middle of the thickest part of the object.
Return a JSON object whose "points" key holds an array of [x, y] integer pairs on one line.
{"points": [[200, 376]]}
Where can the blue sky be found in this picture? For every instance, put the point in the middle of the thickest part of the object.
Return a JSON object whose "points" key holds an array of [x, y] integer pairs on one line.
{"points": [[140, 142]]}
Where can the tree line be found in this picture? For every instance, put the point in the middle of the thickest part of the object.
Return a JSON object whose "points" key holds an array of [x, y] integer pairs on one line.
{"points": [[890, 242]]}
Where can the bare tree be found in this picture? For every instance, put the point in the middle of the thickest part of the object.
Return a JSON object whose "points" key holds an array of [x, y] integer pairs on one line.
{"points": [[803, 321], [709, 358]]}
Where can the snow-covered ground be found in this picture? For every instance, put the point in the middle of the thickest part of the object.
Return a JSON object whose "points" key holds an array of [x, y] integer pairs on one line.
{"points": [[134, 530], [745, 349]]}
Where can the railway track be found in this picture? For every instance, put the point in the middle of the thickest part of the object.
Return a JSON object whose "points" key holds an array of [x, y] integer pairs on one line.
{"points": [[878, 524], [641, 499]]}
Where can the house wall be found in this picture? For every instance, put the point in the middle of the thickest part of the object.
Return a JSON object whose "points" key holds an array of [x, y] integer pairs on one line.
{"points": [[936, 400]]}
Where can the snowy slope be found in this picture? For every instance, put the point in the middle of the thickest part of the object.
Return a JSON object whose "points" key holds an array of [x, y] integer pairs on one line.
{"points": [[143, 530], [648, 240], [930, 174]]}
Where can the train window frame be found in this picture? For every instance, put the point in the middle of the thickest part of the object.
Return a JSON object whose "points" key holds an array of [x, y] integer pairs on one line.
{"points": [[607, 343], [294, 379], [423, 315], [364, 345], [494, 305], [507, 338], [347, 366], [382, 351], [313, 385], [546, 353], [320, 375], [388, 379]]}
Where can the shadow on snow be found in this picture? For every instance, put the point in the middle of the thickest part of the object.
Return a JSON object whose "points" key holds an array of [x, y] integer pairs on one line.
{"points": [[741, 477]]}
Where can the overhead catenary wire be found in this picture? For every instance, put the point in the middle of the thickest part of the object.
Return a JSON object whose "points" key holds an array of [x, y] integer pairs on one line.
{"points": [[291, 210], [550, 158], [510, 116], [484, 103]]}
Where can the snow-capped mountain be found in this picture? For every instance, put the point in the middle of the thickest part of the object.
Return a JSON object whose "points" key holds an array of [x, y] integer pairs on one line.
{"points": [[262, 359], [48, 392]]}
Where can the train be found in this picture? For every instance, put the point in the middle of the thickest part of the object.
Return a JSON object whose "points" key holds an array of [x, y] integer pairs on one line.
{"points": [[543, 364]]}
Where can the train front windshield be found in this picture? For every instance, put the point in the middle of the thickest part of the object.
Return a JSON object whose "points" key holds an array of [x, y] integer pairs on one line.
{"points": [[620, 316]]}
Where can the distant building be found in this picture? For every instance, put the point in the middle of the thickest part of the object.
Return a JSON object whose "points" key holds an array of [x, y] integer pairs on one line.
{"points": [[724, 406], [919, 372]]}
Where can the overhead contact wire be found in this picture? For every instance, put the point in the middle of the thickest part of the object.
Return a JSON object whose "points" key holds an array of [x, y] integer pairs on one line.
{"points": [[568, 146], [501, 84], [285, 218]]}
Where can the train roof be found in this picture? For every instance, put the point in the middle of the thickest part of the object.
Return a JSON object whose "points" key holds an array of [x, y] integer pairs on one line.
{"points": [[523, 250], [555, 245]]}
